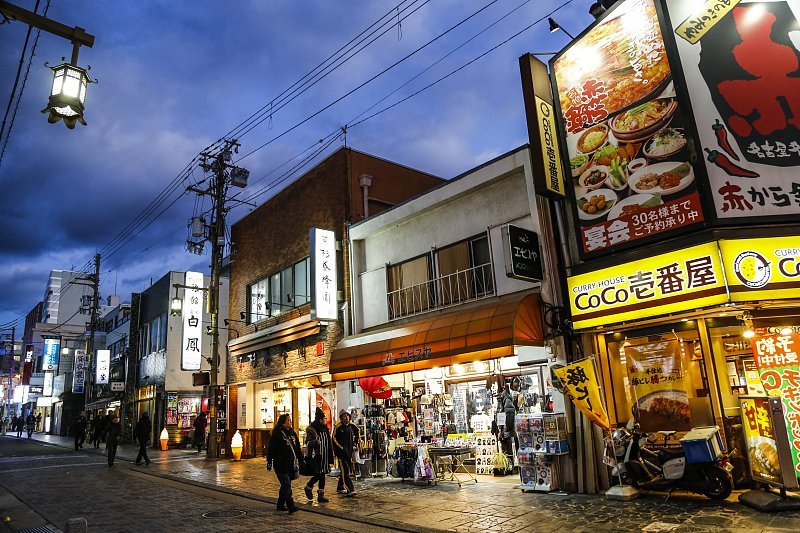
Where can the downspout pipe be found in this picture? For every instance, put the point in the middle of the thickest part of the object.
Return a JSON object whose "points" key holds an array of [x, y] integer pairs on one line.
{"points": [[365, 181]]}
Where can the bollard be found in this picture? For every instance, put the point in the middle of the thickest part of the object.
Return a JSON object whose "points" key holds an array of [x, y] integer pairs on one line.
{"points": [[76, 525]]}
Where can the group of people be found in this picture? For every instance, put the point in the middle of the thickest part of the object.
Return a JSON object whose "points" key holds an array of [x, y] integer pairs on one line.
{"points": [[286, 457], [29, 423]]}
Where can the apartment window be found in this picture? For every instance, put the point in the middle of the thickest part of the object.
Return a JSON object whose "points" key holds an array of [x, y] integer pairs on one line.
{"points": [[279, 292], [409, 287], [465, 271]]}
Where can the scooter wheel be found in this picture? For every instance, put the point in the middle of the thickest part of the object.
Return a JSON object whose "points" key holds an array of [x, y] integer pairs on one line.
{"points": [[720, 483]]}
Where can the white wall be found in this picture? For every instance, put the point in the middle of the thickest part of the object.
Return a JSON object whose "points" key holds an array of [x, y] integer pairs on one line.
{"points": [[479, 202]]}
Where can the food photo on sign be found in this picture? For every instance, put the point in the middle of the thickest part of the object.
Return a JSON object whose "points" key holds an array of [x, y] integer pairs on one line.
{"points": [[625, 132], [741, 63]]}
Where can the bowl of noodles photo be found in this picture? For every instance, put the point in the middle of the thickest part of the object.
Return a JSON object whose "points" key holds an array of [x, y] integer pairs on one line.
{"points": [[665, 178]]}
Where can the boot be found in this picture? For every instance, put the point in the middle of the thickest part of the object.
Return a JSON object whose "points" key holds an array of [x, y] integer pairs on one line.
{"points": [[281, 504], [321, 497], [309, 492], [290, 505]]}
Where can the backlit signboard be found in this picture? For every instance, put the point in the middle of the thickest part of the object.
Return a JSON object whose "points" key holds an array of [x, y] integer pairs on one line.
{"points": [[192, 342], [323, 275], [51, 352], [103, 366]]}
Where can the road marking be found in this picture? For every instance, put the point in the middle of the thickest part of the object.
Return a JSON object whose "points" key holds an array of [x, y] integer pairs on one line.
{"points": [[36, 457], [71, 465]]}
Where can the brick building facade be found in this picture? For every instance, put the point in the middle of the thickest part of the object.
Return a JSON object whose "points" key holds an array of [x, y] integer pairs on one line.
{"points": [[277, 359]]}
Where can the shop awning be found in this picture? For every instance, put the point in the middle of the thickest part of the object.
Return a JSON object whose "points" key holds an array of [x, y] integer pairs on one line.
{"points": [[279, 334], [487, 332]]}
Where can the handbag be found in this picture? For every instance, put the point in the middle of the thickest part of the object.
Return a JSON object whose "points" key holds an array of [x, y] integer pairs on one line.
{"points": [[296, 465]]}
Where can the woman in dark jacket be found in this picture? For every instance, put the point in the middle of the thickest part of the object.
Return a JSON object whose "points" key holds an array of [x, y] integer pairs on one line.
{"points": [[285, 455], [114, 430], [319, 455]]}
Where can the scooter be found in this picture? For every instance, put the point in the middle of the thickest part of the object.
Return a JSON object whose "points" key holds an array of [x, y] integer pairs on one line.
{"points": [[667, 469]]}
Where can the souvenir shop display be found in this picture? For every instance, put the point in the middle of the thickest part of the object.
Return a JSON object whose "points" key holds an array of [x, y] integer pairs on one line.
{"points": [[448, 464], [485, 450], [411, 461], [375, 447], [541, 437]]}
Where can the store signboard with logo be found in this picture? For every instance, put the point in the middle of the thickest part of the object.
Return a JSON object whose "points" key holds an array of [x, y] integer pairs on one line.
{"points": [[667, 283], [740, 64], [192, 341], [778, 360], [629, 152], [79, 373], [765, 441], [762, 269], [323, 275], [523, 257]]}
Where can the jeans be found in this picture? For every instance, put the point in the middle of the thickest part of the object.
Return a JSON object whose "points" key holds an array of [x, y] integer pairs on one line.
{"points": [[142, 452], [346, 467], [285, 492], [317, 478]]}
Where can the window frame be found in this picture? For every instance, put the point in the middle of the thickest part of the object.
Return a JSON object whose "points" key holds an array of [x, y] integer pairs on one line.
{"points": [[287, 300]]}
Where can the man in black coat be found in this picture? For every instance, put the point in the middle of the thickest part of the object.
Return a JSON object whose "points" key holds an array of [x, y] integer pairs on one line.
{"points": [[345, 443], [80, 430], [142, 434]]}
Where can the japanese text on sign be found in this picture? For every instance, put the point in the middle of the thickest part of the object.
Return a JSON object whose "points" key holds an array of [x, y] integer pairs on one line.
{"points": [[79, 374], [324, 284], [192, 343], [580, 381]]}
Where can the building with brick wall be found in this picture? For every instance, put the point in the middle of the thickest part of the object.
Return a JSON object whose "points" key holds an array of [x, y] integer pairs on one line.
{"points": [[279, 349]]}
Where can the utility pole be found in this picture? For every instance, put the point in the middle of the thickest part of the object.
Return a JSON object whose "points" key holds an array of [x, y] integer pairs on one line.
{"points": [[224, 174], [94, 281]]}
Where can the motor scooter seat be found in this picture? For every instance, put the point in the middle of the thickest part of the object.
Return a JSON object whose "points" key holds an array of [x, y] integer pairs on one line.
{"points": [[665, 454]]}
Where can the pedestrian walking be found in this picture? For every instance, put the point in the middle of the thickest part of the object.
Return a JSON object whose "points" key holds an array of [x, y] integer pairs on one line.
{"points": [[200, 424], [79, 428], [98, 429], [20, 426], [30, 423], [39, 422], [113, 435], [142, 434], [319, 456], [346, 442], [285, 455], [13, 424]]}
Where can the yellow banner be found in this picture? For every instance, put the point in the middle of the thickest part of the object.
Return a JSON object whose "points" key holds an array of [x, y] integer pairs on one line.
{"points": [[551, 155], [762, 269], [580, 381], [656, 375], [694, 27], [667, 283]]}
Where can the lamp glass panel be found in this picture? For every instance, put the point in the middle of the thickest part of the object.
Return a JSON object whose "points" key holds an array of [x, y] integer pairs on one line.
{"points": [[82, 94], [72, 85], [58, 81]]}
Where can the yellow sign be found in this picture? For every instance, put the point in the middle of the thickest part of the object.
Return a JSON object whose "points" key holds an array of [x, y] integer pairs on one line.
{"points": [[580, 381], [551, 155], [694, 27], [667, 283], [762, 269]]}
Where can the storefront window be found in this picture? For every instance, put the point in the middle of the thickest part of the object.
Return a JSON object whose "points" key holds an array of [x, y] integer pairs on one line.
{"points": [[660, 379], [265, 408]]}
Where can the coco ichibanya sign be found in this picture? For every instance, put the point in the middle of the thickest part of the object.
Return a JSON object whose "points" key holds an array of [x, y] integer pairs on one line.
{"points": [[323, 275], [192, 343], [666, 283]]}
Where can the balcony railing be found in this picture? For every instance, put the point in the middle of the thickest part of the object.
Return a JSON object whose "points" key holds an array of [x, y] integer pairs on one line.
{"points": [[452, 289]]}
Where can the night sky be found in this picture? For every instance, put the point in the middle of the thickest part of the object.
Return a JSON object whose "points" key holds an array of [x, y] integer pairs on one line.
{"points": [[176, 76]]}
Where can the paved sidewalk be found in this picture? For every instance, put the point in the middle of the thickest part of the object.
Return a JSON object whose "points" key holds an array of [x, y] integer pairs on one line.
{"points": [[491, 505]]}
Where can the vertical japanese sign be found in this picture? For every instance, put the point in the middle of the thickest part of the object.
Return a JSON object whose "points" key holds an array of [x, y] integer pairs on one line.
{"points": [[632, 179], [323, 275], [580, 381], [759, 436], [741, 61], [52, 347], [47, 388], [778, 365], [656, 376], [79, 373], [103, 366], [192, 342]]}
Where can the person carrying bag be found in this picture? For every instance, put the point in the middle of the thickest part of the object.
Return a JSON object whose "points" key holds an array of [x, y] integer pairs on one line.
{"points": [[285, 455], [319, 456]]}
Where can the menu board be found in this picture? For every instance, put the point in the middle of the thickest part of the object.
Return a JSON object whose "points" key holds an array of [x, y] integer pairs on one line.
{"points": [[762, 450], [741, 62], [625, 133]]}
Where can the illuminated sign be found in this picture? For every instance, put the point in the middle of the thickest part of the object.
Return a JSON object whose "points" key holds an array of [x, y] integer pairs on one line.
{"points": [[676, 281], [192, 343], [323, 275], [48, 384], [745, 107], [103, 366], [625, 133], [79, 374], [762, 269], [522, 255], [51, 353]]}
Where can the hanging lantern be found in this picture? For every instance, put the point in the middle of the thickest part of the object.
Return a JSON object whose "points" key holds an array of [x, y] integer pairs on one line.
{"points": [[68, 95], [376, 387]]}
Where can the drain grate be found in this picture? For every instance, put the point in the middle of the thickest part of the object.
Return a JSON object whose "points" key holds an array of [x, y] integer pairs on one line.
{"points": [[39, 529], [224, 514]]}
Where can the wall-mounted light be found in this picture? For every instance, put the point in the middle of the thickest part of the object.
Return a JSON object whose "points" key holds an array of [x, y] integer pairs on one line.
{"points": [[555, 26], [747, 321], [175, 305]]}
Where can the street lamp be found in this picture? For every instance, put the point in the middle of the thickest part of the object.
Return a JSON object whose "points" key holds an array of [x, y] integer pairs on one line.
{"points": [[68, 93], [555, 26]]}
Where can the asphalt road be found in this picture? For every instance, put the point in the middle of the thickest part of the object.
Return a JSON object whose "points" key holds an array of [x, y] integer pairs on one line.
{"points": [[43, 486]]}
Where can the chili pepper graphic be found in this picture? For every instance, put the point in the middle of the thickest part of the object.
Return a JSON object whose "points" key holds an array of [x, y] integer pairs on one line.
{"points": [[722, 139], [730, 168]]}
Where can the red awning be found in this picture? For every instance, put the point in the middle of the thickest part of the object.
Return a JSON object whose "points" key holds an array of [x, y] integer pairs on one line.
{"points": [[487, 332]]}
